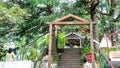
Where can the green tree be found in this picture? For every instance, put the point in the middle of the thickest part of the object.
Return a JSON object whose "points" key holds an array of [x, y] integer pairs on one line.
{"points": [[24, 21]]}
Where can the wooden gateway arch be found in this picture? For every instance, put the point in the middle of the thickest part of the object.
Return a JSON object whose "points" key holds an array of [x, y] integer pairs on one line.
{"points": [[61, 21]]}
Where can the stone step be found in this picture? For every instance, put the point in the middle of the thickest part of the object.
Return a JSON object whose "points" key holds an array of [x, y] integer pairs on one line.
{"points": [[62, 64], [70, 59], [75, 53], [71, 51], [80, 66], [70, 55]]}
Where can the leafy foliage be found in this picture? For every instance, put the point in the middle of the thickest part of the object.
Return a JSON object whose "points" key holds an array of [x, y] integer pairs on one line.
{"points": [[2, 52], [61, 40], [86, 49], [108, 15], [24, 21]]}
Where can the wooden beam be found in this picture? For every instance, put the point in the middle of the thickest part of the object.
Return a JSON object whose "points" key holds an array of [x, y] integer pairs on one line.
{"points": [[70, 16], [92, 45], [78, 18], [63, 18], [71, 23], [50, 46], [54, 45]]}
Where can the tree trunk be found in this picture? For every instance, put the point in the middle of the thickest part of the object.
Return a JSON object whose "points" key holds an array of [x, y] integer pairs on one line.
{"points": [[112, 26], [94, 17]]}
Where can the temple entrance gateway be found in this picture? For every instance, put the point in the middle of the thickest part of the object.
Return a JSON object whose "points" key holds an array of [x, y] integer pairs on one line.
{"points": [[63, 21]]}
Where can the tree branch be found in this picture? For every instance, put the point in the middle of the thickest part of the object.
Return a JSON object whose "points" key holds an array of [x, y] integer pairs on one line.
{"points": [[94, 5]]}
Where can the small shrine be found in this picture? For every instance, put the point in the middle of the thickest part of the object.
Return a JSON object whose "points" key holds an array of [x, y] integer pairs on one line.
{"points": [[75, 39]]}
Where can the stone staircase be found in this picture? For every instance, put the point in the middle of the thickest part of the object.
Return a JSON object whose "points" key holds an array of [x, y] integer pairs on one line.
{"points": [[70, 58]]}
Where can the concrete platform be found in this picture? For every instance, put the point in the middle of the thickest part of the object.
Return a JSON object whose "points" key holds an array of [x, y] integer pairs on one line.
{"points": [[17, 64]]}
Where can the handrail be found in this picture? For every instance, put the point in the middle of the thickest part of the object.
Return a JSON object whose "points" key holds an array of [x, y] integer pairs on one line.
{"points": [[106, 58], [108, 61]]}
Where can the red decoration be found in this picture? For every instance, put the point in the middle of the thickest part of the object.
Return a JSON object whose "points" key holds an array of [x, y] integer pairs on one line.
{"points": [[88, 56], [83, 30]]}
